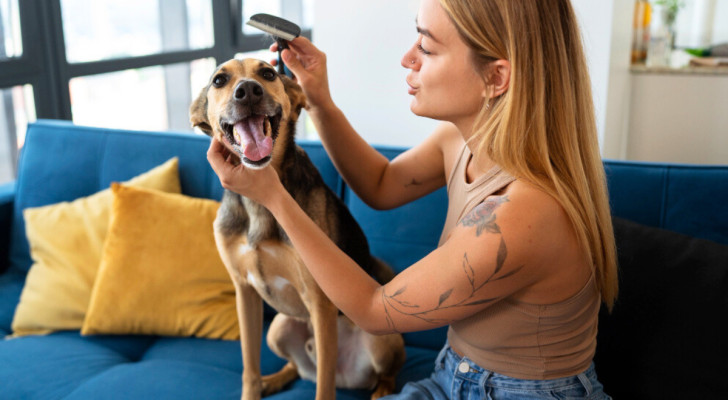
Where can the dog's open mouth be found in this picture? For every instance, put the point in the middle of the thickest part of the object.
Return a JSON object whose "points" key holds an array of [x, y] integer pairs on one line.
{"points": [[253, 137]]}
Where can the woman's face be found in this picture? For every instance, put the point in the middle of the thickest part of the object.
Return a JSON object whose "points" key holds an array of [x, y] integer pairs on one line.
{"points": [[443, 81]]}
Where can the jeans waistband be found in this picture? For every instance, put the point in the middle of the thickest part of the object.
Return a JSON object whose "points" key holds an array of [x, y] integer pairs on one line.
{"points": [[466, 369]]}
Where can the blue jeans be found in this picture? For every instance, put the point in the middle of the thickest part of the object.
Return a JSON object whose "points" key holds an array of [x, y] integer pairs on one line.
{"points": [[461, 379]]}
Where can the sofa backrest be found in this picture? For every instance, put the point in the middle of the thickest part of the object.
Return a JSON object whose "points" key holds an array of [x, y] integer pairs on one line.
{"points": [[62, 162], [689, 199]]}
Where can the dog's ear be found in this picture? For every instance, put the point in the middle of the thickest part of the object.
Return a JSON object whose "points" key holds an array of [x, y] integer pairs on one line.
{"points": [[295, 95], [198, 113]]}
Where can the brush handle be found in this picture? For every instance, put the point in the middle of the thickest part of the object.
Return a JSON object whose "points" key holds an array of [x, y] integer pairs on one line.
{"points": [[282, 69]]}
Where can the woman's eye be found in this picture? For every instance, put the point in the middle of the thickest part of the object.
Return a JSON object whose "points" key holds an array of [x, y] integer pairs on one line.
{"points": [[422, 49], [219, 81]]}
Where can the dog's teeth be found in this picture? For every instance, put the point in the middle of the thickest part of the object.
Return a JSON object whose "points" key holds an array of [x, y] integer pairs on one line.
{"points": [[237, 135]]}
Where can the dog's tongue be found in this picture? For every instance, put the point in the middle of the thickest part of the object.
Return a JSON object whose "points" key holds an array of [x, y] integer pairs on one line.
{"points": [[255, 144]]}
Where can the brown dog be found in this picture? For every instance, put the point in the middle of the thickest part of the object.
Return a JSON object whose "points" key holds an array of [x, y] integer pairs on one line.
{"points": [[252, 110]]}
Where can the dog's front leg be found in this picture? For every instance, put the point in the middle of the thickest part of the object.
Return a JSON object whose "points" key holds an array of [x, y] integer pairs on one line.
{"points": [[250, 317], [323, 319]]}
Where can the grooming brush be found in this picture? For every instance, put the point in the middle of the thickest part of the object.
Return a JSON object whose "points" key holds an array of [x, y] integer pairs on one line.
{"points": [[282, 31]]}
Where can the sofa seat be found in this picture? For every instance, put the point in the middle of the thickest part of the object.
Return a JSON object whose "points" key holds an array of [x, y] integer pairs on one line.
{"points": [[66, 365]]}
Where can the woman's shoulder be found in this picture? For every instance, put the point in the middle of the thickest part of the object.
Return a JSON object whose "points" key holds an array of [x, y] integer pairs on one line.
{"points": [[448, 137], [530, 200], [530, 211], [532, 223], [450, 143]]}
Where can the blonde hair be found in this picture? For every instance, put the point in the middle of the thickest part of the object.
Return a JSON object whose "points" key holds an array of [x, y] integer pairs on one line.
{"points": [[543, 129]]}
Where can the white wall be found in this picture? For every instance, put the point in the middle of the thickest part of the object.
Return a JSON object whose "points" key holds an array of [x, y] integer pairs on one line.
{"points": [[364, 42], [606, 30]]}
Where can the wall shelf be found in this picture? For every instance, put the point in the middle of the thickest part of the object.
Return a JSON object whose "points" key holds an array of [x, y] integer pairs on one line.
{"points": [[687, 70]]}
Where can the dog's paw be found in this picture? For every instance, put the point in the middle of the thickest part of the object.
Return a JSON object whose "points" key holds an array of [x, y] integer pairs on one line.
{"points": [[275, 382], [251, 390], [385, 387]]}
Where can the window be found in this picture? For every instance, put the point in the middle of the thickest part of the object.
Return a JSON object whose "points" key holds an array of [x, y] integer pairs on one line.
{"points": [[146, 102], [133, 28], [133, 64], [10, 45], [17, 108]]}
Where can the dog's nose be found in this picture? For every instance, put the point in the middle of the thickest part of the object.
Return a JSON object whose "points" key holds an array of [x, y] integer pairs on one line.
{"points": [[248, 92]]}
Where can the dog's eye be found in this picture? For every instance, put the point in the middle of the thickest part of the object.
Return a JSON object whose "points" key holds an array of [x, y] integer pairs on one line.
{"points": [[268, 74], [219, 80]]}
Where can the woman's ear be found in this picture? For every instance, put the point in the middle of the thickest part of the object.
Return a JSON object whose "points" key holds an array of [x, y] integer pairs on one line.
{"points": [[499, 78]]}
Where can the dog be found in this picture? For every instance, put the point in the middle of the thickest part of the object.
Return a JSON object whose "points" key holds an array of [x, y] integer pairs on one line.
{"points": [[252, 110]]}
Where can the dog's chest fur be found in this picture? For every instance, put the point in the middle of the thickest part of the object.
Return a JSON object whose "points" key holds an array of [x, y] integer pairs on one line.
{"points": [[261, 253], [261, 250]]}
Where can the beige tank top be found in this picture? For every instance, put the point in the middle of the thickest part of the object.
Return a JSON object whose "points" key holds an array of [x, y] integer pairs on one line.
{"points": [[513, 338]]}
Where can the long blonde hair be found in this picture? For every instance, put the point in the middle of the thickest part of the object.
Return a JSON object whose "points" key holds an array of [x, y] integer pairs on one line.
{"points": [[543, 129]]}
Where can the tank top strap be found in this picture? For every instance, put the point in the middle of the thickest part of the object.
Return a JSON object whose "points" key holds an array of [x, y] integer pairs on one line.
{"points": [[463, 196], [458, 169]]}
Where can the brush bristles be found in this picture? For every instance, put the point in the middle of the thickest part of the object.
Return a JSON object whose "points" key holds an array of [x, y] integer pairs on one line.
{"points": [[268, 24]]}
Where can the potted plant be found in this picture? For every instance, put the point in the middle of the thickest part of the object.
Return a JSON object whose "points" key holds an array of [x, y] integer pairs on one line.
{"points": [[668, 15]]}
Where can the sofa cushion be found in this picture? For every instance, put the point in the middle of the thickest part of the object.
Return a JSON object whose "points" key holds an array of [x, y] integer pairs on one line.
{"points": [[667, 324], [66, 241], [69, 366], [160, 272], [54, 366]]}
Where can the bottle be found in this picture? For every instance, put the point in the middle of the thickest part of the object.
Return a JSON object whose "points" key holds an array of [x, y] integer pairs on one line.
{"points": [[640, 30]]}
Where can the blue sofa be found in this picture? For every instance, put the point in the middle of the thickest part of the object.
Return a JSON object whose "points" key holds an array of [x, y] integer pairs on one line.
{"points": [[665, 338]]}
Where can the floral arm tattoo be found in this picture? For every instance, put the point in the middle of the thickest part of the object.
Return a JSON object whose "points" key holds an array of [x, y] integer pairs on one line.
{"points": [[483, 218]]}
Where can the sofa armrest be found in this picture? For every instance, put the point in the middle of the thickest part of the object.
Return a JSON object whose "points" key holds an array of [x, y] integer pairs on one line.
{"points": [[7, 198]]}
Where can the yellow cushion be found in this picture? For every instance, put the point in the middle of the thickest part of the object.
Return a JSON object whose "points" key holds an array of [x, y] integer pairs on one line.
{"points": [[160, 272], [66, 240]]}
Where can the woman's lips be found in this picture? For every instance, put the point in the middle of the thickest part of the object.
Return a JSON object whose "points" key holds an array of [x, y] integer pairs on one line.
{"points": [[411, 89]]}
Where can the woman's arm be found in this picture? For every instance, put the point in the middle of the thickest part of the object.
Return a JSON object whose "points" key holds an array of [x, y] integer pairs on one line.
{"points": [[485, 259], [481, 263], [380, 183]]}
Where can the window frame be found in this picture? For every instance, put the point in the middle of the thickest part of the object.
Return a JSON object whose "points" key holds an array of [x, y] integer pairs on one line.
{"points": [[43, 63]]}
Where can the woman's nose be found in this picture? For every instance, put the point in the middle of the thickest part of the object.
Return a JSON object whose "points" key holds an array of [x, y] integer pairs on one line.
{"points": [[409, 60]]}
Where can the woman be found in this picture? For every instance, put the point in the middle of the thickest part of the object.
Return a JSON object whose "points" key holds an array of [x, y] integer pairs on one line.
{"points": [[527, 250]]}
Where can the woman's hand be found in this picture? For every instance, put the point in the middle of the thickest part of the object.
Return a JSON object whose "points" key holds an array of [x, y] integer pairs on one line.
{"points": [[261, 185], [308, 64]]}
